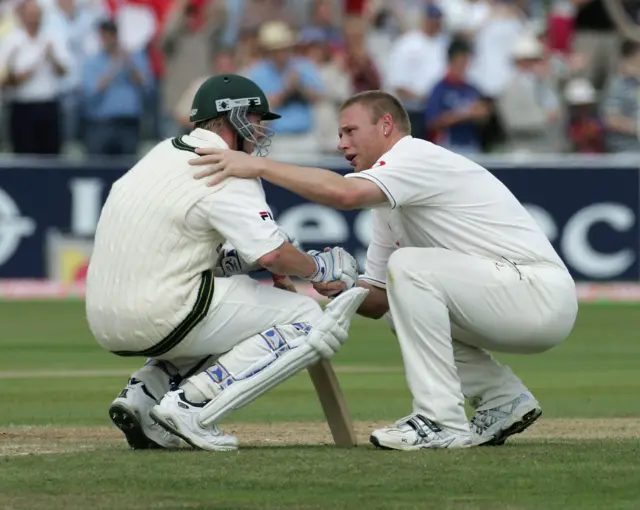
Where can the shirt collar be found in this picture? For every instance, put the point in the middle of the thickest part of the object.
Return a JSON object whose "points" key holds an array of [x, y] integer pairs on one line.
{"points": [[453, 80], [208, 137]]}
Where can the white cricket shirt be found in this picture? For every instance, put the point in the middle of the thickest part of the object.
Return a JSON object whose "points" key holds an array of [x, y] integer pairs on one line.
{"points": [[149, 281], [440, 199]]}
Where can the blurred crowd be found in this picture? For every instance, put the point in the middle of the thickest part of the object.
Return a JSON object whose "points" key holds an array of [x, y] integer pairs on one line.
{"points": [[103, 77]]}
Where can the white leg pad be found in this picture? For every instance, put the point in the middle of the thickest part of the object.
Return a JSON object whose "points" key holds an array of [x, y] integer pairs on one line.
{"points": [[274, 361], [265, 360]]}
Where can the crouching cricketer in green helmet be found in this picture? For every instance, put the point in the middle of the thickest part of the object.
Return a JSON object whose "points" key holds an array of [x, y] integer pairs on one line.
{"points": [[167, 283]]}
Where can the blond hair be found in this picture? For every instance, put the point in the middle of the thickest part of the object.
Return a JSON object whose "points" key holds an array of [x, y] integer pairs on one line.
{"points": [[379, 103]]}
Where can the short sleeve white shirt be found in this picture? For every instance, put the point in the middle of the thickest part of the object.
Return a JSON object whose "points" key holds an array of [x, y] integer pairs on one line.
{"points": [[238, 210], [437, 198]]}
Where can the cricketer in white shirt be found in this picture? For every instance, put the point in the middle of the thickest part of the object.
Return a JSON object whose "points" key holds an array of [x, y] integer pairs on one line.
{"points": [[151, 292], [456, 264]]}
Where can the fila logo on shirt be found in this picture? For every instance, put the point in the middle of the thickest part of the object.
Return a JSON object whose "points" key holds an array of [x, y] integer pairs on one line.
{"points": [[266, 215]]}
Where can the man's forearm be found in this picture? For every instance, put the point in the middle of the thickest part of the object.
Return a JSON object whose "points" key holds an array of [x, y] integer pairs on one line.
{"points": [[375, 305], [315, 184], [288, 260]]}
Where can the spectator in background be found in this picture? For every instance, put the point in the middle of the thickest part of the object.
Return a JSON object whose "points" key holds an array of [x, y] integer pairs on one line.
{"points": [[465, 17], [188, 43], [595, 37], [621, 102], [322, 18], [455, 108], [223, 62], [36, 60], [293, 86], [492, 65], [358, 63], [259, 12], [335, 81], [529, 107], [233, 12], [384, 22], [386, 16], [247, 51], [114, 83], [585, 128], [78, 21], [417, 60], [8, 23]]}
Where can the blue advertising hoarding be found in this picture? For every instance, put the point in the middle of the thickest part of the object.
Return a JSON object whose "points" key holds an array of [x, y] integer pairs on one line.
{"points": [[48, 214]]}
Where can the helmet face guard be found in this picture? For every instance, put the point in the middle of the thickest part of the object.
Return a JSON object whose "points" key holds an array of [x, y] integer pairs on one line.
{"points": [[257, 134]]}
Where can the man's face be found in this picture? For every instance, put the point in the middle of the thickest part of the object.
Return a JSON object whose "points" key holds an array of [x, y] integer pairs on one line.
{"points": [[109, 39], [459, 64], [31, 15], [433, 25], [361, 141]]}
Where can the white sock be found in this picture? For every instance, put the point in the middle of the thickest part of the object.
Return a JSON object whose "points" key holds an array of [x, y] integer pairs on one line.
{"points": [[192, 393]]}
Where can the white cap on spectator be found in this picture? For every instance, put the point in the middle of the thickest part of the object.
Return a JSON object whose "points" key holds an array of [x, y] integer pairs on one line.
{"points": [[276, 35], [580, 91], [527, 47]]}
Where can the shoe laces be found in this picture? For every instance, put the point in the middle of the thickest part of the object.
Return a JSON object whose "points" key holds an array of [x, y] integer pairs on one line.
{"points": [[425, 428]]}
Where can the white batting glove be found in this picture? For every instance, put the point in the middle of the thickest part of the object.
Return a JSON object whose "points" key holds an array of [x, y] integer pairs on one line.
{"points": [[230, 262], [335, 264], [328, 344]]}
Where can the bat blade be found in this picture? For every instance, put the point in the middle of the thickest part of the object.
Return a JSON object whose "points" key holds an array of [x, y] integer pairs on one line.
{"points": [[333, 404]]}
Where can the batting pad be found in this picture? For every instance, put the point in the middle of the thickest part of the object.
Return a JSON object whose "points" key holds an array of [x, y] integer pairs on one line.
{"points": [[265, 360]]}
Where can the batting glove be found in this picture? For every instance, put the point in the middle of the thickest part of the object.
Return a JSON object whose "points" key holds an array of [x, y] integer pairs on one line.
{"points": [[335, 264], [231, 263]]}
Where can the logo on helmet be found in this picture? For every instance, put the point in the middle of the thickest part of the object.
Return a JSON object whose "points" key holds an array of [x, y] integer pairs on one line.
{"points": [[224, 105]]}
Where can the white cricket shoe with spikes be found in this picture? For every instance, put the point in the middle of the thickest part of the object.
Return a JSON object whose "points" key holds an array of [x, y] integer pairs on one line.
{"points": [[130, 413], [180, 417], [494, 426], [415, 432]]}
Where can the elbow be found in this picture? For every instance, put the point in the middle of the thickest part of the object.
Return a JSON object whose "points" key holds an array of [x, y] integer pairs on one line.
{"points": [[272, 261]]}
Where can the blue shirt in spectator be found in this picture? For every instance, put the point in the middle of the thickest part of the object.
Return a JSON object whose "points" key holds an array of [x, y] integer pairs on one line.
{"points": [[297, 113], [450, 95], [123, 97]]}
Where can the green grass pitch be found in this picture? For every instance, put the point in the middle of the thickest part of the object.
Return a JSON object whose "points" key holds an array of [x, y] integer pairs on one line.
{"points": [[58, 448]]}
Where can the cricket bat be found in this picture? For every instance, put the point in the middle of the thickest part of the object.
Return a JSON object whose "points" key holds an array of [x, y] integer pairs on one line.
{"points": [[328, 390]]}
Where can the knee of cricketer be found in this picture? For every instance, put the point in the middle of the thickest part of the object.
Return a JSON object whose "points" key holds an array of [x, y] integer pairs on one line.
{"points": [[269, 358]]}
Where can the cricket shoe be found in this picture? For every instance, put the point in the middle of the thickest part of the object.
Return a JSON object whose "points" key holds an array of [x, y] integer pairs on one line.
{"points": [[494, 426], [130, 413], [180, 417], [415, 432]]}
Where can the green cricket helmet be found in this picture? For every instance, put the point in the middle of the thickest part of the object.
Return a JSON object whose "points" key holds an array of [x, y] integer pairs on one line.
{"points": [[235, 96]]}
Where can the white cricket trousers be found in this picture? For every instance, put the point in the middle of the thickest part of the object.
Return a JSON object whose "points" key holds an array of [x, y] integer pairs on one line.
{"points": [[242, 307], [448, 307]]}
